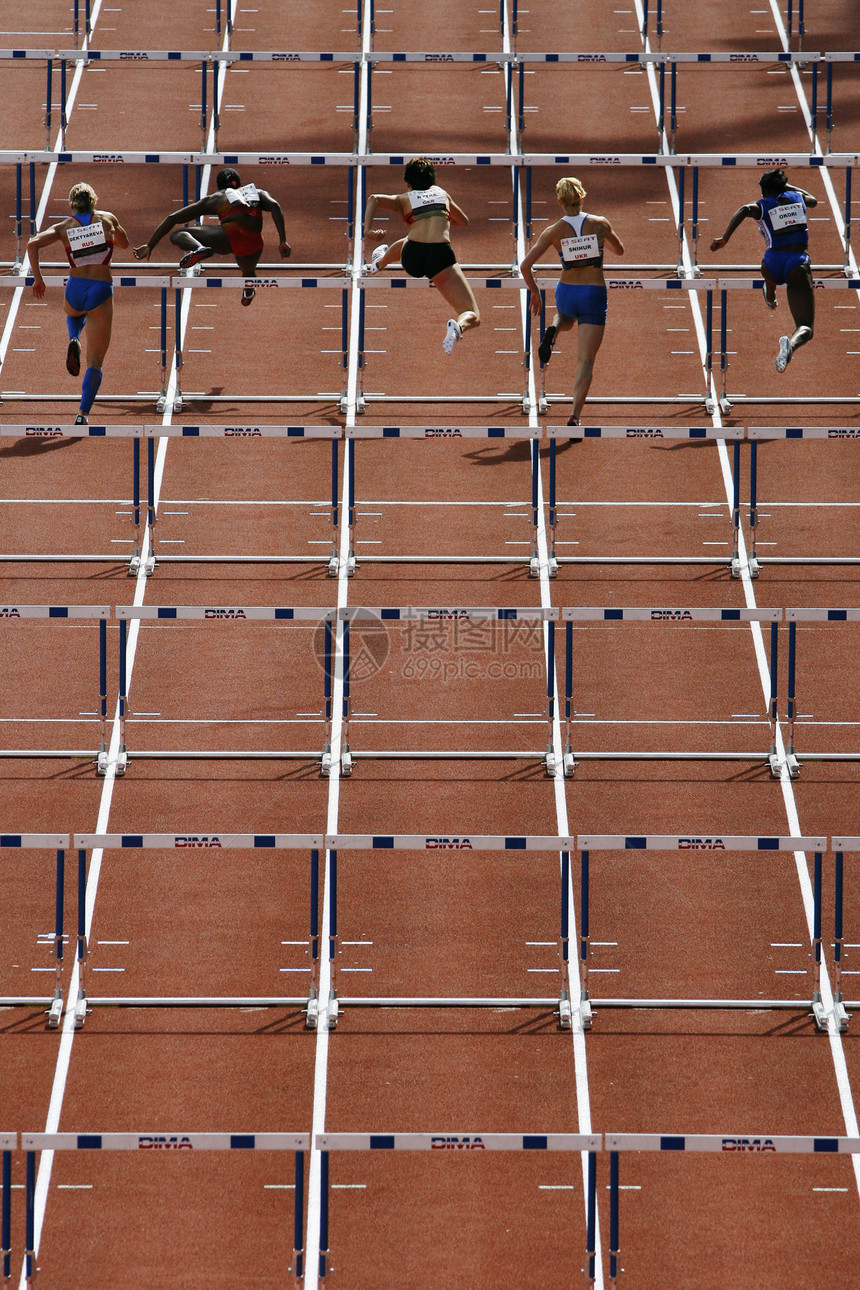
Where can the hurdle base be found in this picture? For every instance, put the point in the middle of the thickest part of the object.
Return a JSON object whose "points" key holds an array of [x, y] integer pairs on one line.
{"points": [[737, 567], [818, 1014], [550, 763], [80, 1010], [333, 567], [840, 1016], [346, 763], [570, 764], [55, 1012], [325, 762], [120, 763], [792, 765], [754, 566], [138, 565], [586, 1016], [312, 1012], [332, 1011], [534, 566], [775, 765], [565, 1012]]}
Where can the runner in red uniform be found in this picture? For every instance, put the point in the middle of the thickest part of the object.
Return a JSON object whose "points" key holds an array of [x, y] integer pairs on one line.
{"points": [[239, 209]]}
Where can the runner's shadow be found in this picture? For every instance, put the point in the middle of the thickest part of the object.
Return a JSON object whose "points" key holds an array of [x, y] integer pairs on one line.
{"points": [[35, 447]]}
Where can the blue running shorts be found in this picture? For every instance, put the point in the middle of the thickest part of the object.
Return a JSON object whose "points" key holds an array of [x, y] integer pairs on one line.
{"points": [[586, 304], [780, 264], [84, 294]]}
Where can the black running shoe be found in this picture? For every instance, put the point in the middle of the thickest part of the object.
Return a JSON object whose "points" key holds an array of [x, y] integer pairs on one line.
{"points": [[194, 257], [81, 420], [248, 294], [73, 357], [545, 347], [574, 421]]}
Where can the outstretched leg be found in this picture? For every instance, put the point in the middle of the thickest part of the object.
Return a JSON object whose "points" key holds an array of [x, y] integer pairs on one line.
{"points": [[769, 288], [459, 295], [199, 244], [248, 269], [99, 325], [590, 340], [550, 336]]}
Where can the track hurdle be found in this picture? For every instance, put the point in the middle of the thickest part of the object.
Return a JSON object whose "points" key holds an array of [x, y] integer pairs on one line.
{"points": [[757, 434], [840, 1004], [167, 1144], [52, 1003], [712, 845], [793, 617], [298, 616], [459, 433], [233, 433], [471, 621], [669, 617], [580, 1143], [694, 434], [728, 400], [505, 845], [100, 613], [182, 843], [50, 434], [746, 1144]]}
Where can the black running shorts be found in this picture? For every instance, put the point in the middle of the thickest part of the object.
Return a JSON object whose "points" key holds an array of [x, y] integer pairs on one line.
{"points": [[426, 259]]}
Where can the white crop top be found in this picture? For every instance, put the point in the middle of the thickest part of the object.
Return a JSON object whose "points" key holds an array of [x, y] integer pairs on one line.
{"points": [[427, 201], [581, 249], [88, 244]]}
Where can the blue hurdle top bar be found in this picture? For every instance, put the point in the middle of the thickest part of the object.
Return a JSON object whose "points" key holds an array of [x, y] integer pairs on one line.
{"points": [[457, 1142], [165, 1141], [695, 841], [731, 1143]]}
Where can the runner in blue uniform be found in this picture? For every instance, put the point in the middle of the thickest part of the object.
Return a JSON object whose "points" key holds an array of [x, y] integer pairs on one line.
{"points": [[88, 237], [580, 295], [781, 216]]}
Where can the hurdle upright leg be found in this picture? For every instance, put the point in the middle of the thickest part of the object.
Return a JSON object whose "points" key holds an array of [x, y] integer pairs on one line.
{"points": [[614, 1220], [543, 402], [19, 217], [328, 669], [735, 564], [6, 1220], [55, 1011], [334, 562], [552, 559], [679, 268], [534, 558], [101, 760], [298, 1219], [725, 404], [323, 1268], [161, 401], [839, 1011], [134, 561], [312, 1016], [565, 1015], [81, 1003], [694, 224], [122, 755], [177, 398], [30, 1220], [549, 757], [773, 711], [351, 562], [584, 943], [345, 754], [332, 1012], [790, 755], [754, 566], [846, 258], [591, 1221], [569, 762], [817, 1009]]}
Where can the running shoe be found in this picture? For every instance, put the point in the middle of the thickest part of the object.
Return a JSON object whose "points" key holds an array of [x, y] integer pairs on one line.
{"points": [[81, 420], [452, 335], [248, 294], [771, 304], [545, 347], [378, 253], [783, 358], [73, 357], [194, 257], [574, 421]]}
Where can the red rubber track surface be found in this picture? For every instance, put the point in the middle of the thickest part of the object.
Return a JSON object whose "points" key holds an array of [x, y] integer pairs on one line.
{"points": [[417, 923]]}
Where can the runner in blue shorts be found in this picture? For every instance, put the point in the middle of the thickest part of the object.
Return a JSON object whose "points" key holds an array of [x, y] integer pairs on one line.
{"points": [[580, 296], [781, 216], [88, 237]]}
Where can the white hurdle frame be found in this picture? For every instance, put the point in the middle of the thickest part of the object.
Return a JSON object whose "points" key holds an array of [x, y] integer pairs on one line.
{"points": [[505, 844], [182, 843], [577, 1143], [674, 616], [793, 616], [299, 616], [166, 1143], [587, 843], [728, 1144], [450, 615], [53, 1004]]}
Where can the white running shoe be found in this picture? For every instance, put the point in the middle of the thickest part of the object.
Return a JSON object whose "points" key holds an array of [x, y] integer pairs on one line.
{"points": [[771, 304], [783, 358], [452, 335], [378, 253]]}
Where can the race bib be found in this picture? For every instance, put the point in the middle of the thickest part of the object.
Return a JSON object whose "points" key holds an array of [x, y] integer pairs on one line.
{"points": [[790, 215], [576, 249], [427, 200], [86, 241], [247, 195]]}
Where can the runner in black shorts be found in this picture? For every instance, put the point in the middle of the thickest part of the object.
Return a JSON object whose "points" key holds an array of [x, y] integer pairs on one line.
{"points": [[426, 251]]}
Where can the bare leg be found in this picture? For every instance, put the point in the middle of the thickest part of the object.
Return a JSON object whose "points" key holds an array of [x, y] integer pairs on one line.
{"points": [[801, 302], [98, 333], [769, 288], [456, 291], [590, 340]]}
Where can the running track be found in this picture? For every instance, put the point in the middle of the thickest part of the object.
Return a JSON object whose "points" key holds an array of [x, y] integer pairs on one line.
{"points": [[459, 923]]}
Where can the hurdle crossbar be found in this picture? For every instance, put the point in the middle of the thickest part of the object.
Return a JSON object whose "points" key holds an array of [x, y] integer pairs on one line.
{"points": [[669, 617], [713, 844], [53, 1003], [758, 1144], [167, 1144], [197, 842], [589, 1143]]}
